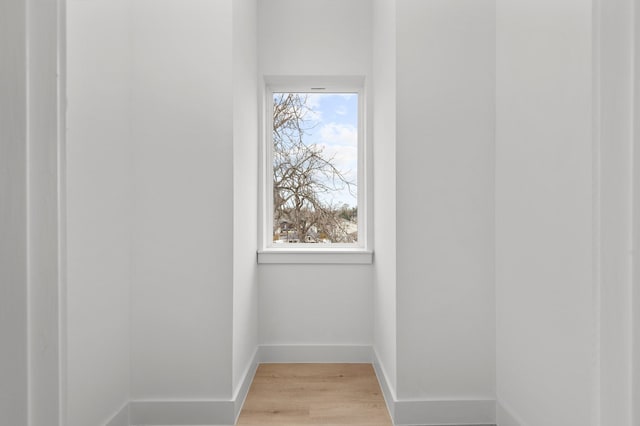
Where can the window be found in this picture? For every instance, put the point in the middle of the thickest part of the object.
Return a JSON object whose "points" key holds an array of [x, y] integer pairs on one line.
{"points": [[314, 177]]}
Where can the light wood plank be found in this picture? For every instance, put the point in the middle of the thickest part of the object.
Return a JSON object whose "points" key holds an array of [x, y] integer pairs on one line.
{"points": [[315, 394]]}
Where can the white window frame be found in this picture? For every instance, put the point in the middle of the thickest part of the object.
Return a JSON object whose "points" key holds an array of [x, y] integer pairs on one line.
{"points": [[337, 253]]}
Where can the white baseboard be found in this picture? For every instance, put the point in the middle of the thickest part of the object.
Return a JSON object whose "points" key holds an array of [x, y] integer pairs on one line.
{"points": [[121, 418], [387, 390], [241, 394], [192, 413], [177, 413], [315, 353], [505, 416], [435, 412], [445, 412]]}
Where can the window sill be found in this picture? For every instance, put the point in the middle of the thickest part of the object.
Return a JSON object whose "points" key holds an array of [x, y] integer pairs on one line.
{"points": [[315, 256]]}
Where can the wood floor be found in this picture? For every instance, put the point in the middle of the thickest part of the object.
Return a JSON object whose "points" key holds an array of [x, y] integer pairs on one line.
{"points": [[315, 394]]}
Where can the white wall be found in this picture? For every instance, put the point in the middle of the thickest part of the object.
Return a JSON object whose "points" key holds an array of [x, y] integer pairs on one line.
{"points": [[45, 221], [151, 203], [99, 209], [545, 286], [616, 131], [331, 37], [13, 214], [444, 210], [245, 186], [384, 186], [182, 127], [29, 253], [315, 304], [332, 304], [636, 224]]}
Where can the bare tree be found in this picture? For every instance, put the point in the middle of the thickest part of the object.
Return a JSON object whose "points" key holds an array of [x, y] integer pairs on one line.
{"points": [[303, 173]]}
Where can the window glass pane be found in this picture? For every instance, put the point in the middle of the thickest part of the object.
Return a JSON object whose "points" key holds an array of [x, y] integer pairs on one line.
{"points": [[315, 168]]}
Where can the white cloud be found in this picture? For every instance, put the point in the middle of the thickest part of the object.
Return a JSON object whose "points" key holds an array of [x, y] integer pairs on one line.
{"points": [[313, 103], [313, 99], [339, 134], [340, 142], [341, 110]]}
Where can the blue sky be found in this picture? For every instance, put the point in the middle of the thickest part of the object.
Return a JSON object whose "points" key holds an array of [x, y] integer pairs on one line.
{"points": [[336, 130]]}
